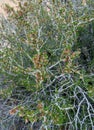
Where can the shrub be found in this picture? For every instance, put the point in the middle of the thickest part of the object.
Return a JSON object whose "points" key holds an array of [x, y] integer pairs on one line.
{"points": [[48, 85]]}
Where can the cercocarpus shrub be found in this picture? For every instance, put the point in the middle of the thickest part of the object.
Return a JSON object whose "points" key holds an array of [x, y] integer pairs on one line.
{"points": [[46, 86]]}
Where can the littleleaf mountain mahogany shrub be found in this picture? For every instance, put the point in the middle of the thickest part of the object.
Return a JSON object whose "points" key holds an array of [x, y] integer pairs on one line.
{"points": [[48, 86]]}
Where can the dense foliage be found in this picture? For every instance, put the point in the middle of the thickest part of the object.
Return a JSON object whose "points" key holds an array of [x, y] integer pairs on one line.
{"points": [[47, 66]]}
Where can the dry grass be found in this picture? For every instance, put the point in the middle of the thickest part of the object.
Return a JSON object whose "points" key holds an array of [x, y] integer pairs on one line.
{"points": [[2, 6]]}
